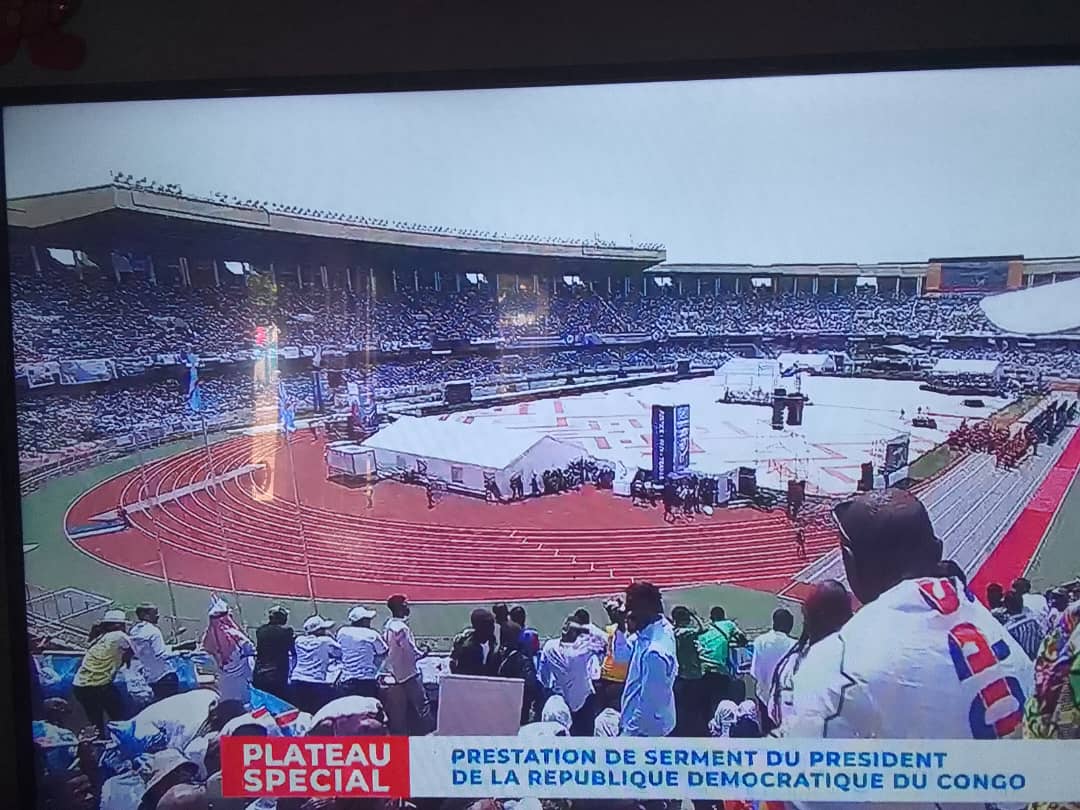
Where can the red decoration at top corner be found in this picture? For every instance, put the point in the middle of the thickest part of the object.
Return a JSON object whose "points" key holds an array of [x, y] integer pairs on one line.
{"points": [[38, 23]]}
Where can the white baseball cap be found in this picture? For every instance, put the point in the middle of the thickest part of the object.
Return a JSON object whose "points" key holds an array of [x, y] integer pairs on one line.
{"points": [[117, 616], [313, 623], [361, 612]]}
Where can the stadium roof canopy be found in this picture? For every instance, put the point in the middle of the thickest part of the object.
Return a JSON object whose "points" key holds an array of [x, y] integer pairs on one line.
{"points": [[137, 219], [950, 365], [892, 269], [1039, 310]]}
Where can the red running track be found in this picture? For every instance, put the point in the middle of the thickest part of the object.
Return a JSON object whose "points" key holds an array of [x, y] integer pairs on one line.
{"points": [[1012, 556], [573, 545]]}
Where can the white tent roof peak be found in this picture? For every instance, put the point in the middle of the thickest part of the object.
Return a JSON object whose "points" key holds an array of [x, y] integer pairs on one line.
{"points": [[480, 443]]}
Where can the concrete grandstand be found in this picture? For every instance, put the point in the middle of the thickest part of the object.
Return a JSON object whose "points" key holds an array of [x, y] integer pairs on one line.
{"points": [[115, 286]]}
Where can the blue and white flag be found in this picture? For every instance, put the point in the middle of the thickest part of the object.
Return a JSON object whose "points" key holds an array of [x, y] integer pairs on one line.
{"points": [[283, 714], [194, 391], [286, 410]]}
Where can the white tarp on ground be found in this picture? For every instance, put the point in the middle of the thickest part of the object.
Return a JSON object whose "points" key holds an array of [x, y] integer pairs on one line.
{"points": [[460, 454], [1037, 310], [814, 362], [947, 365]]}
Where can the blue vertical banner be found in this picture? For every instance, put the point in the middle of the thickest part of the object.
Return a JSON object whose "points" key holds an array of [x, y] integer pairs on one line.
{"points": [[682, 438], [194, 391], [286, 410], [663, 441], [317, 390]]}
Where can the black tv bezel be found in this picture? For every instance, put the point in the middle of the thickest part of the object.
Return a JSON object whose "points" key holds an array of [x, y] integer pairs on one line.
{"points": [[19, 739]]}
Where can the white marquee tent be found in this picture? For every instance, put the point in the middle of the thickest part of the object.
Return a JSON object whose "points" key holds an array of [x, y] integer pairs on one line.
{"points": [[460, 454], [977, 368], [814, 362]]}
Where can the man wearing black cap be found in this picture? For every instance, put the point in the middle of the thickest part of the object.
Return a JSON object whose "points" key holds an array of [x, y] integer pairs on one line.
{"points": [[922, 658]]}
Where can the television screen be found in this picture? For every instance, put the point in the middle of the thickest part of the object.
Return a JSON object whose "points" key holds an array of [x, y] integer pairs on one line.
{"points": [[551, 446]]}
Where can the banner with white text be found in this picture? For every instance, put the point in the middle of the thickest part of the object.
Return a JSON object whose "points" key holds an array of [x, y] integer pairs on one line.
{"points": [[1000, 771]]}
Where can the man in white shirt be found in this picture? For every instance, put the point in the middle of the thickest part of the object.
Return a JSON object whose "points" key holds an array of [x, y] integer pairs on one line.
{"points": [[648, 701], [362, 652], [150, 649], [315, 650], [401, 660], [922, 659], [1035, 602], [566, 668], [766, 652], [581, 616]]}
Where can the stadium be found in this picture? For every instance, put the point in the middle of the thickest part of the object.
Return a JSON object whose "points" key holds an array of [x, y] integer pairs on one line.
{"points": [[232, 396]]}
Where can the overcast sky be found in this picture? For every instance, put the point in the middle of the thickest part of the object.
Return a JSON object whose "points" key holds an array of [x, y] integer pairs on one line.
{"points": [[834, 168]]}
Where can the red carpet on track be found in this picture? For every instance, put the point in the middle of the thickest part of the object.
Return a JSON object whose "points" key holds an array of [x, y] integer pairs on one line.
{"points": [[1011, 557]]}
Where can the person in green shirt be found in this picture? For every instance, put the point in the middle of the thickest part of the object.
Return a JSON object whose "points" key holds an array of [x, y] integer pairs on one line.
{"points": [[690, 714], [715, 649]]}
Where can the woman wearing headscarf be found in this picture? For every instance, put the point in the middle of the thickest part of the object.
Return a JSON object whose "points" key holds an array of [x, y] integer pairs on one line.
{"points": [[1053, 710], [557, 711], [723, 719], [606, 724], [747, 721], [232, 652], [825, 611]]}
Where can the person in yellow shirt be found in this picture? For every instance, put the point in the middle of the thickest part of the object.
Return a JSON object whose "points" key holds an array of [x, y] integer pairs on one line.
{"points": [[616, 659], [110, 649]]}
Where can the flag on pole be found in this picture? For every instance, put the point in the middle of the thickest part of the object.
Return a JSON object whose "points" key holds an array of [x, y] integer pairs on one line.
{"points": [[194, 391], [286, 410]]}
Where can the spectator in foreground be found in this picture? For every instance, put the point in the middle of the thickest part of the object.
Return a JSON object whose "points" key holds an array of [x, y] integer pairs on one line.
{"points": [[274, 650], [513, 663], [231, 650], [747, 722], [1022, 624], [854, 685], [110, 649], [616, 656], [767, 651], [607, 724], [315, 649], [1059, 603], [723, 718], [401, 658], [530, 638], [581, 617], [149, 647], [501, 612], [826, 610], [566, 666], [716, 657], [995, 600], [362, 652], [648, 705], [1035, 602], [690, 698], [1053, 710], [475, 650]]}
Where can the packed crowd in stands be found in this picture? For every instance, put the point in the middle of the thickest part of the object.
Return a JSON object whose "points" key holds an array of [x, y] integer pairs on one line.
{"points": [[60, 316], [1059, 363], [651, 670], [92, 414]]}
